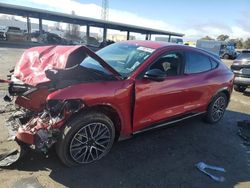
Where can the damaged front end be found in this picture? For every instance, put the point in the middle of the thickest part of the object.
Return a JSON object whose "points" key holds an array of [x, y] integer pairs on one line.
{"points": [[41, 130], [37, 130], [36, 121]]}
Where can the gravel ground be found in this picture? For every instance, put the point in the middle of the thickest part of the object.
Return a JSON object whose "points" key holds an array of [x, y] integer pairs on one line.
{"points": [[160, 158]]}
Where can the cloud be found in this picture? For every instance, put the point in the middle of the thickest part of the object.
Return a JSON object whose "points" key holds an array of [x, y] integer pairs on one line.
{"points": [[67, 6], [243, 22], [94, 11], [193, 29], [214, 29]]}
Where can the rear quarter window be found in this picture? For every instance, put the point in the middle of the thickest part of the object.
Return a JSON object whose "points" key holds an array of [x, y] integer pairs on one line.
{"points": [[197, 63]]}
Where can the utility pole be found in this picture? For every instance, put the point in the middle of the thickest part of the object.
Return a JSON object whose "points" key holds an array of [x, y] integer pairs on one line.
{"points": [[105, 10], [104, 16]]}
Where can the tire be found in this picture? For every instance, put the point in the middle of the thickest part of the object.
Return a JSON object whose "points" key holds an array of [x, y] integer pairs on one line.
{"points": [[226, 56], [85, 139], [216, 108], [240, 88]]}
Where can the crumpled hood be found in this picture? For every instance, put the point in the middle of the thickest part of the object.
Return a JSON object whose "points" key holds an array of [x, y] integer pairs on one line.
{"points": [[32, 65]]}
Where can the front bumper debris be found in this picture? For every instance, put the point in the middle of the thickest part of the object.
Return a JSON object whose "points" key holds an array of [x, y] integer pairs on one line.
{"points": [[9, 157], [11, 150]]}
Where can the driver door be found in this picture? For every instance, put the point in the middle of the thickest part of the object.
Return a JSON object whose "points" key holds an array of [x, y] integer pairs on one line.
{"points": [[159, 100]]}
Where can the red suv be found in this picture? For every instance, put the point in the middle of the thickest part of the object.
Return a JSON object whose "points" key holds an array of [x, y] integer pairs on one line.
{"points": [[82, 102]]}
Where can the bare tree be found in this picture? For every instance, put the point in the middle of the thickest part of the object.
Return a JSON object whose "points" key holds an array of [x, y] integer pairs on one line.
{"points": [[57, 26], [207, 38], [238, 42], [222, 37], [246, 44], [73, 30]]}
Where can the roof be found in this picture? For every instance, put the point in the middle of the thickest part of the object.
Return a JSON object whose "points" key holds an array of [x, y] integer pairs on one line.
{"points": [[74, 19], [149, 43], [160, 44]]}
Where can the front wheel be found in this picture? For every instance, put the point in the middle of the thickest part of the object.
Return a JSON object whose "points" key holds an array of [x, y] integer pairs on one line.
{"points": [[226, 56], [86, 139], [216, 108]]}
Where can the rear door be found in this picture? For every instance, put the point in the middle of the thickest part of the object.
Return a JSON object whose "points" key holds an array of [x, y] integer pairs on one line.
{"points": [[200, 79]]}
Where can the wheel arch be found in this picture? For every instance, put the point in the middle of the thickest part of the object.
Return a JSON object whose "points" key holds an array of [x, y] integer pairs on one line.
{"points": [[224, 90], [109, 111]]}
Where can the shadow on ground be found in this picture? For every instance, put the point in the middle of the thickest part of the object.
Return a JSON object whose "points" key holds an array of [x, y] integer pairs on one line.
{"points": [[247, 93], [160, 158]]}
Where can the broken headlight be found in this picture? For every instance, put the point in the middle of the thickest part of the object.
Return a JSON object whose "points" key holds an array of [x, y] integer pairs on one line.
{"points": [[20, 89], [56, 107]]}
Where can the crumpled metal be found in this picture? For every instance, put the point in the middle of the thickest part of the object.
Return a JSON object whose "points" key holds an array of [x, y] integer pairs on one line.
{"points": [[31, 67]]}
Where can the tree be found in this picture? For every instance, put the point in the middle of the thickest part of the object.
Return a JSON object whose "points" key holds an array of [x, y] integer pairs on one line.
{"points": [[222, 37], [246, 44], [58, 26], [73, 30], [238, 42], [207, 38]]}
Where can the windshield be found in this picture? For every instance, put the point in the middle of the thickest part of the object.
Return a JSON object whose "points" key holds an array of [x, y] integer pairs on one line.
{"points": [[244, 55], [124, 58]]}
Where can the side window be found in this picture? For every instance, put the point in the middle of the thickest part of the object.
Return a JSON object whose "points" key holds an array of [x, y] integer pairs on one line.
{"points": [[197, 63], [170, 63]]}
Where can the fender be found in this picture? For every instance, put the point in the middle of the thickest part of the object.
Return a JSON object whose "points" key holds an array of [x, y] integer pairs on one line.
{"points": [[223, 89]]}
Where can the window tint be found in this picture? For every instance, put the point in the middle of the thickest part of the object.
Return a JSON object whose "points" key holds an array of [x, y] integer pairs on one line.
{"points": [[169, 63], [196, 63]]}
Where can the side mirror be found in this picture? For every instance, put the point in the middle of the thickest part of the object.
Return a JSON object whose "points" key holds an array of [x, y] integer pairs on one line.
{"points": [[155, 74]]}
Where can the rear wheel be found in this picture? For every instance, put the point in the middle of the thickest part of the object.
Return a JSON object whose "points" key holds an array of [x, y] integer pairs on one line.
{"points": [[86, 139], [240, 88], [216, 108]]}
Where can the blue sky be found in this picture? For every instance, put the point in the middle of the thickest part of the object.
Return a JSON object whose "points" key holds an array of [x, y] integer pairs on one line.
{"points": [[195, 18], [182, 11]]}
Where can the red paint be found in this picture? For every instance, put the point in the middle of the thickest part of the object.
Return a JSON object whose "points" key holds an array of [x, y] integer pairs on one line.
{"points": [[34, 101], [139, 102], [31, 67], [26, 136]]}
